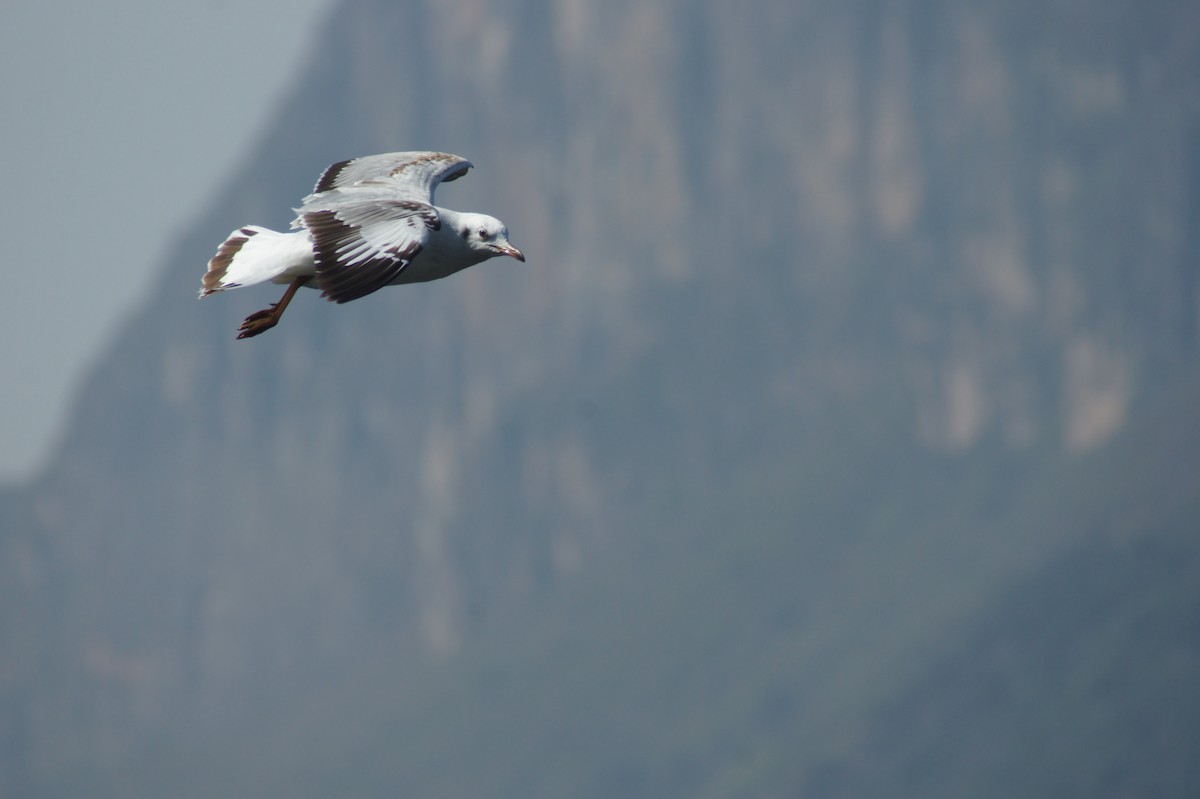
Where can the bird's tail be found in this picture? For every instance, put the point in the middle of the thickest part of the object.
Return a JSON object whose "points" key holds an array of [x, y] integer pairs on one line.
{"points": [[255, 254]]}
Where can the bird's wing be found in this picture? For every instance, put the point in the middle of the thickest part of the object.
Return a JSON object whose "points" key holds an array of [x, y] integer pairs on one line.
{"points": [[412, 175], [363, 238]]}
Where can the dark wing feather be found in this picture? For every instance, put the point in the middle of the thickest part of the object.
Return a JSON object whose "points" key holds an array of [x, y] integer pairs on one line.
{"points": [[362, 245]]}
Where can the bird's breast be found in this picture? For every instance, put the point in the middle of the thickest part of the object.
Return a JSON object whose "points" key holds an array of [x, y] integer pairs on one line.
{"points": [[444, 254]]}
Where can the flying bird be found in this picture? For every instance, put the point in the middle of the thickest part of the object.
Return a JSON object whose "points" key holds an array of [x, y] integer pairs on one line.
{"points": [[370, 222]]}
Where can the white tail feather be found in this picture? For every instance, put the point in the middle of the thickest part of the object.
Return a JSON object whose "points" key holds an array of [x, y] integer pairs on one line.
{"points": [[254, 255]]}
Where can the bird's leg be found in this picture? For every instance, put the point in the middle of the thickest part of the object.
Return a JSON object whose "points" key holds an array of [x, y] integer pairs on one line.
{"points": [[264, 320]]}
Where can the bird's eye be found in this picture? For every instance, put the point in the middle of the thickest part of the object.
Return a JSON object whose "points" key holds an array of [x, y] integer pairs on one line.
{"points": [[483, 234]]}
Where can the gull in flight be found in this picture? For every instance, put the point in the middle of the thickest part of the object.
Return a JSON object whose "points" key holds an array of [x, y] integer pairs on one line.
{"points": [[369, 223]]}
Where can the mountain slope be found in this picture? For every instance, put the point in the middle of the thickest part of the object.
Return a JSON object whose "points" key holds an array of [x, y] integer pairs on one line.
{"points": [[705, 659], [1075, 680]]}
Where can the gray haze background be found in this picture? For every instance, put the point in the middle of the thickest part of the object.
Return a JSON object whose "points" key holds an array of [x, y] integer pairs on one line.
{"points": [[839, 438], [121, 121]]}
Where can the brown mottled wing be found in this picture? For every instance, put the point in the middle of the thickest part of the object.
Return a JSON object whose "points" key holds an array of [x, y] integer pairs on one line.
{"points": [[363, 241], [411, 175]]}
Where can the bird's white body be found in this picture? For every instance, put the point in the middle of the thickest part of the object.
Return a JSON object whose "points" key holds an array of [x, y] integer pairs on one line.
{"points": [[370, 222], [275, 257]]}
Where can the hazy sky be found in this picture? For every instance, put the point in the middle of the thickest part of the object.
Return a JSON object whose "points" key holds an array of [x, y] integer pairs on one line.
{"points": [[118, 118]]}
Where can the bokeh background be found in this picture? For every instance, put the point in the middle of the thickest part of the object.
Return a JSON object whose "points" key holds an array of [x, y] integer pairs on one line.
{"points": [[122, 122], [840, 437]]}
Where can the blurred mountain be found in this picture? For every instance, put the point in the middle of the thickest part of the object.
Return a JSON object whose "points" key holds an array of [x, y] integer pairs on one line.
{"points": [[838, 439]]}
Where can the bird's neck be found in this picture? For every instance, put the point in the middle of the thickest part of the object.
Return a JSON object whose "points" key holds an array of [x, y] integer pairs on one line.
{"points": [[451, 246]]}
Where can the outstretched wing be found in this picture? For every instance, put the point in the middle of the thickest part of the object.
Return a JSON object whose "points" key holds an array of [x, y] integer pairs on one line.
{"points": [[412, 175], [364, 238]]}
